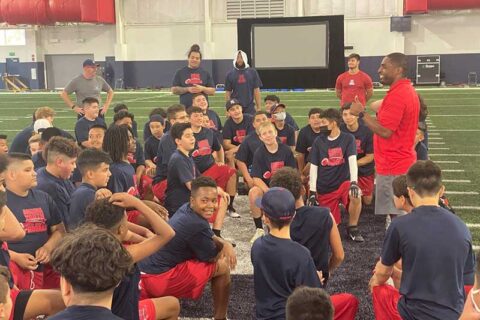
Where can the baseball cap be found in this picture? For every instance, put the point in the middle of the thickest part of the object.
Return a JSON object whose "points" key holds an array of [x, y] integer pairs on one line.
{"points": [[41, 124], [232, 102], [276, 106], [277, 203], [90, 63]]}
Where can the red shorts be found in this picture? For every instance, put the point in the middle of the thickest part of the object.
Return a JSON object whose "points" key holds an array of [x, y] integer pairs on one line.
{"points": [[19, 302], [366, 184], [159, 190], [334, 198], [29, 280], [145, 182], [146, 310], [186, 280], [132, 216], [345, 306], [220, 173]]}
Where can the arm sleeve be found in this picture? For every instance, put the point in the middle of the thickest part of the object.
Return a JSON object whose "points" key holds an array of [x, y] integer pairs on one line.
{"points": [[81, 133], [257, 165], [139, 155], [469, 270], [291, 137], [367, 81], [313, 177], [338, 83], [352, 166], [70, 87], [242, 153], [258, 82], [227, 131], [216, 146]]}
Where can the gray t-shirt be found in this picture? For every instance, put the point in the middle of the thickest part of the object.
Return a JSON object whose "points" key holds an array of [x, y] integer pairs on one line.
{"points": [[85, 88]]}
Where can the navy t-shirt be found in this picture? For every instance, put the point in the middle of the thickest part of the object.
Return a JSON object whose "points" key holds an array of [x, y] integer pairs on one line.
{"points": [[59, 189], [20, 142], [38, 161], [287, 135], [265, 163], [236, 132], [437, 261], [422, 151], [187, 77], [166, 147], [138, 158], [279, 266], [242, 83], [192, 241], [305, 140], [37, 213], [215, 121], [85, 313], [81, 198], [364, 143], [288, 120], [123, 178], [126, 296], [248, 147], [83, 126], [331, 157], [181, 169], [151, 148], [205, 143], [311, 228]]}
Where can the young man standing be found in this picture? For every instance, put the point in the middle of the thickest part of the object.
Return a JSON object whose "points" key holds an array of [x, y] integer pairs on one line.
{"points": [[90, 118], [305, 139], [436, 251], [61, 154], [354, 83], [236, 128], [243, 83], [364, 143], [194, 256], [268, 158], [40, 218], [333, 172]]}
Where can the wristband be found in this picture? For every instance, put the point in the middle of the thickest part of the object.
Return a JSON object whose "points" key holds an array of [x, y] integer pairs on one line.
{"points": [[73, 106]]}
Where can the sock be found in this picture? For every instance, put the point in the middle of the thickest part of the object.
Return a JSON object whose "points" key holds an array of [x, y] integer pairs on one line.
{"points": [[258, 223], [231, 201], [217, 232], [352, 228]]}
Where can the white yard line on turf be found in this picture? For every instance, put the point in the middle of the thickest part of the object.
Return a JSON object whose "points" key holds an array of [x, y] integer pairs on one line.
{"points": [[455, 154], [456, 181], [434, 134], [455, 130], [434, 142], [466, 207], [435, 148], [473, 225], [453, 170], [435, 138], [476, 248], [454, 115], [472, 193], [446, 161]]}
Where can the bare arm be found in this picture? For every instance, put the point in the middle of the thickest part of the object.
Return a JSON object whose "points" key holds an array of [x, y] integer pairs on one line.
{"points": [[375, 105], [368, 94], [227, 95], [381, 275], [259, 183], [368, 158], [220, 156], [300, 161], [14, 232], [228, 145], [180, 90], [226, 251], [242, 166], [258, 99], [70, 103], [56, 234], [107, 103], [337, 249], [376, 127]]}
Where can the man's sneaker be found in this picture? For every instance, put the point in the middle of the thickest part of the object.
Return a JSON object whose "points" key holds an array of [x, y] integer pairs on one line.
{"points": [[355, 235], [258, 233], [232, 213]]}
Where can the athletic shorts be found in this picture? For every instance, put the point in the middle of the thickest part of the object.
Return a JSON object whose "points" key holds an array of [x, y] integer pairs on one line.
{"points": [[146, 310], [29, 280], [366, 184], [220, 173], [186, 280], [145, 182], [19, 302], [384, 196], [159, 190], [132, 216], [333, 199]]}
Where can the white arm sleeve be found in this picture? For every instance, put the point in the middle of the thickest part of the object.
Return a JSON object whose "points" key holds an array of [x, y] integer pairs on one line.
{"points": [[313, 177], [352, 164]]}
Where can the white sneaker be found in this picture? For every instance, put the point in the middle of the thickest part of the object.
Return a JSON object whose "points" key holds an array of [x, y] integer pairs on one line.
{"points": [[258, 233], [233, 213]]}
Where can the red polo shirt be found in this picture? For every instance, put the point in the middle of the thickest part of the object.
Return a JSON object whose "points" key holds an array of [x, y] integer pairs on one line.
{"points": [[353, 85], [399, 113]]}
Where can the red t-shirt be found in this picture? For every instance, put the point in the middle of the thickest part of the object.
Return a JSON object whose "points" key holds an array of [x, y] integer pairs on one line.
{"points": [[353, 85], [399, 113]]}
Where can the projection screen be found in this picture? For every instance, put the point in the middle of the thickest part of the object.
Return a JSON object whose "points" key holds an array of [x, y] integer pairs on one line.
{"points": [[282, 46]]}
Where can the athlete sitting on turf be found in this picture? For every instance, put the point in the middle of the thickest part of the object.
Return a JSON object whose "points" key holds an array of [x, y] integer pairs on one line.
{"points": [[91, 116], [270, 101], [285, 132], [436, 251], [333, 172], [194, 256]]}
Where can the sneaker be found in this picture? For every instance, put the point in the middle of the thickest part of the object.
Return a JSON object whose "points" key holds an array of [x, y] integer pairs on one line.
{"points": [[258, 233], [232, 213], [388, 221], [355, 235]]}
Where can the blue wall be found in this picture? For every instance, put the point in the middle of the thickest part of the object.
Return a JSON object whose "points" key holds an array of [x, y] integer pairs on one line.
{"points": [[159, 74]]}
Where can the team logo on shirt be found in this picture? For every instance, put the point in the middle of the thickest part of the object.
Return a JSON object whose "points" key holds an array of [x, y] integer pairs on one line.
{"points": [[35, 221], [309, 149], [131, 158], [241, 78], [283, 140], [274, 166], [352, 82], [133, 191], [211, 125], [240, 135], [203, 149], [358, 142], [335, 158], [194, 79]]}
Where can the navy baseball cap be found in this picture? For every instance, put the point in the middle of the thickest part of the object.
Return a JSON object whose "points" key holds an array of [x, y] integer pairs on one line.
{"points": [[90, 63], [232, 102], [277, 203], [276, 106]]}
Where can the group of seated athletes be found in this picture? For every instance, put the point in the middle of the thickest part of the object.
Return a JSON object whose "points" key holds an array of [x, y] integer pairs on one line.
{"points": [[89, 215]]}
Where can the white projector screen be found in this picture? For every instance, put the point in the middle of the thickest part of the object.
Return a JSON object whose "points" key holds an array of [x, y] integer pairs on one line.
{"points": [[282, 46]]}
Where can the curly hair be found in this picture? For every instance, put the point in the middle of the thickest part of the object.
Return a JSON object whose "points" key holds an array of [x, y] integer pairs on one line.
{"points": [[57, 146], [104, 214], [91, 259], [289, 179]]}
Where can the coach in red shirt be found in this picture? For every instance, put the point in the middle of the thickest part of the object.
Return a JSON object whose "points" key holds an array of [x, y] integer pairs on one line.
{"points": [[394, 129], [354, 82]]}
